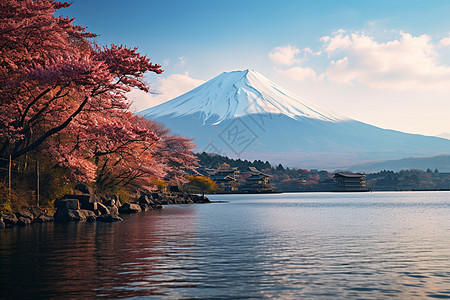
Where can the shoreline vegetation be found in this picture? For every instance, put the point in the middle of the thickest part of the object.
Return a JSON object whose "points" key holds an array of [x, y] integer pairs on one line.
{"points": [[66, 115], [83, 205]]}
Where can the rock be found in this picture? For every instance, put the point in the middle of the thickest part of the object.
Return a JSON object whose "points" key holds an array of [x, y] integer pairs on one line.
{"points": [[102, 209], [145, 200], [72, 204], [114, 210], [9, 219], [157, 206], [109, 218], [91, 219], [65, 215], [84, 188], [44, 218], [200, 199], [86, 201], [23, 221], [2, 224], [24, 213], [109, 202], [87, 213], [129, 208], [145, 207]]}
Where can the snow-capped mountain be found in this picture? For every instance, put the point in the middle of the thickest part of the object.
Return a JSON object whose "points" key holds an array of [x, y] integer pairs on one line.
{"points": [[243, 114], [240, 93]]}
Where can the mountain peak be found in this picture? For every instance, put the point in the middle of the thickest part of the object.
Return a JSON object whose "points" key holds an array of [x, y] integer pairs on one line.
{"points": [[239, 93]]}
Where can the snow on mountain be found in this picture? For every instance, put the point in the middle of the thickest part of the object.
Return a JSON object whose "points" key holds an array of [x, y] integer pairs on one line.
{"points": [[243, 114], [239, 93]]}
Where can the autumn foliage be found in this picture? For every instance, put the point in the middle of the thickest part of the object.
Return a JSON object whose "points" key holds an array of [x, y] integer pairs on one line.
{"points": [[202, 184], [65, 97]]}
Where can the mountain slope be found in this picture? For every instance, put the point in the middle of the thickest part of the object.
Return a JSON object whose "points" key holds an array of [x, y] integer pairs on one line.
{"points": [[239, 93], [243, 114], [441, 162]]}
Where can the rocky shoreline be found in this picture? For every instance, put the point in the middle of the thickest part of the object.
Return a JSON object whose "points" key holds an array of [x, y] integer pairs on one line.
{"points": [[86, 206]]}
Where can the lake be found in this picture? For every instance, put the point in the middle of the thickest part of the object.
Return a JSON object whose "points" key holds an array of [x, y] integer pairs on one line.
{"points": [[379, 245]]}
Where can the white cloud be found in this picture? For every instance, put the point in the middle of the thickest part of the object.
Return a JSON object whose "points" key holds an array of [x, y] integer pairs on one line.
{"points": [[445, 41], [284, 55], [298, 73], [168, 88], [408, 62]]}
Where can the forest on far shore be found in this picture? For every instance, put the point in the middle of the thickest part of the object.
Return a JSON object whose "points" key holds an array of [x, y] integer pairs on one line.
{"points": [[293, 179]]}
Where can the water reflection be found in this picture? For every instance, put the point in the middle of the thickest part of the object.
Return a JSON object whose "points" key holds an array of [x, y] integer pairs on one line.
{"points": [[370, 246]]}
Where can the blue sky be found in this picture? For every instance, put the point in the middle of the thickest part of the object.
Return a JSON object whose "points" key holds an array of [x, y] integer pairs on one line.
{"points": [[381, 62]]}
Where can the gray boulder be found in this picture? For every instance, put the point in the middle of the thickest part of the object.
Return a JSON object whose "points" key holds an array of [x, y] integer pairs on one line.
{"points": [[65, 215], [108, 218], [70, 204], [24, 213], [86, 201], [44, 218], [87, 213], [129, 208]]}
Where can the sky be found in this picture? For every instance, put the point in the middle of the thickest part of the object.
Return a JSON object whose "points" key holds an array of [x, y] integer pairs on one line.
{"points": [[386, 63]]}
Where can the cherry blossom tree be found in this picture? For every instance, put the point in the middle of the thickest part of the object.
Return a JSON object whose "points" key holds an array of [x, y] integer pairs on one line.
{"points": [[65, 96], [50, 74]]}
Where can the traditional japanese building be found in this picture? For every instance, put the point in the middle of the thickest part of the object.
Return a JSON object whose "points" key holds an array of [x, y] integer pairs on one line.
{"points": [[350, 182], [255, 181], [226, 180]]}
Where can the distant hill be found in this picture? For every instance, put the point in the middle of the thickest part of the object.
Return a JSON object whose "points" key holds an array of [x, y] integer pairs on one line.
{"points": [[441, 162]]}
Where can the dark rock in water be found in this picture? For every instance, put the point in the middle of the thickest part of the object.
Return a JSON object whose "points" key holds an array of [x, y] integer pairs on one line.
{"points": [[144, 207], [87, 213], [114, 210], [72, 204], [129, 208], [23, 221], [65, 215], [24, 213], [157, 206], [108, 218], [200, 199], [91, 219], [2, 224], [44, 218], [10, 219], [103, 209], [84, 188]]}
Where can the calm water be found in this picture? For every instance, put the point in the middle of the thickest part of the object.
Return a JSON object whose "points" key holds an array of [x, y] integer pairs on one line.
{"points": [[324, 245]]}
